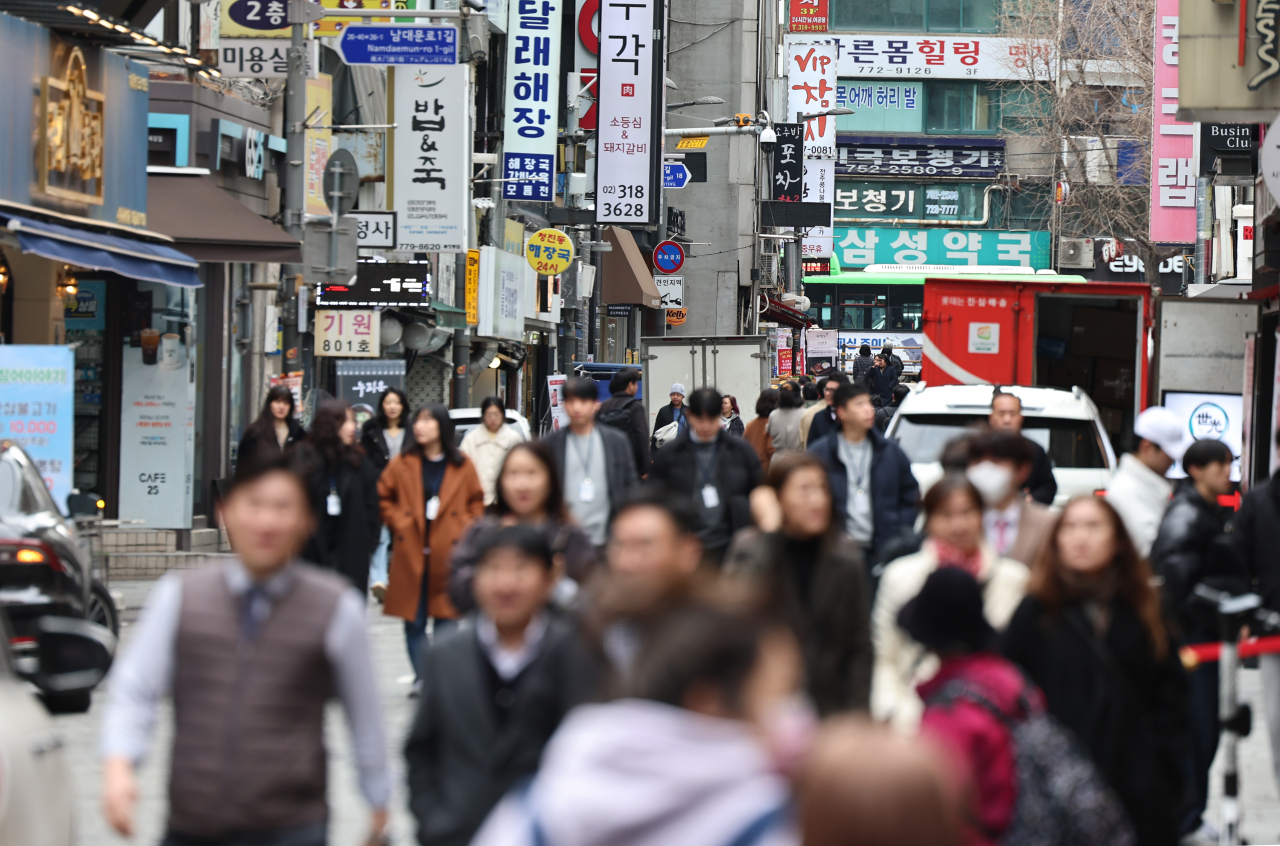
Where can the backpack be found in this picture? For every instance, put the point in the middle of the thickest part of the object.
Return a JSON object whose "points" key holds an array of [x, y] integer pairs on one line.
{"points": [[1062, 799], [620, 418]]}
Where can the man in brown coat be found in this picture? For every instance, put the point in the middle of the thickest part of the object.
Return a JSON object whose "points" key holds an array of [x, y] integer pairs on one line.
{"points": [[251, 651]]}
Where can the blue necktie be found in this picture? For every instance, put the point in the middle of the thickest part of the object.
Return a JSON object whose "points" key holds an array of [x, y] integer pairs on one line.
{"points": [[254, 613]]}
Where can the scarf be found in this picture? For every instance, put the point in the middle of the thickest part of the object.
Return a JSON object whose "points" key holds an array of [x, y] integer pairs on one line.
{"points": [[1094, 593], [952, 556]]}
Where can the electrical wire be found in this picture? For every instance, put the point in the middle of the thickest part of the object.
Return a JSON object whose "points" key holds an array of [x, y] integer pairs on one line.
{"points": [[703, 38]]}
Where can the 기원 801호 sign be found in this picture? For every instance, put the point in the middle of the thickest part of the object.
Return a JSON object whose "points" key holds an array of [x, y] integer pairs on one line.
{"points": [[431, 157], [533, 91], [629, 108]]}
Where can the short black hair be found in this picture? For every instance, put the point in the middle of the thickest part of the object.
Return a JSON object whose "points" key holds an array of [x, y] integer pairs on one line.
{"points": [[766, 402], [900, 392], [441, 414], [997, 393], [523, 539], [865, 349], [493, 402], [1204, 452], [848, 392], [704, 402], [809, 391], [1001, 446], [674, 504], [266, 462], [790, 395], [579, 388], [381, 414], [623, 379]]}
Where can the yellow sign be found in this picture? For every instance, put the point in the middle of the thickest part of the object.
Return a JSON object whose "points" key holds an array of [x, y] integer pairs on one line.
{"points": [[70, 154], [676, 316], [473, 287], [549, 251], [693, 142], [319, 141]]}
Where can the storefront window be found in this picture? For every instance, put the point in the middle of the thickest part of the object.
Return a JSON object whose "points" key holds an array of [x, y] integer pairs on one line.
{"points": [[961, 107], [915, 15]]}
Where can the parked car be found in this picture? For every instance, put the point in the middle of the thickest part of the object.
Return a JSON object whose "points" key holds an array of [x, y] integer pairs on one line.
{"points": [[466, 419], [43, 570], [1065, 423], [35, 800]]}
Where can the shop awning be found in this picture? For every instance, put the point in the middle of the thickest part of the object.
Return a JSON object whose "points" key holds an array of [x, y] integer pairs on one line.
{"points": [[209, 224], [774, 310], [627, 279], [100, 251]]}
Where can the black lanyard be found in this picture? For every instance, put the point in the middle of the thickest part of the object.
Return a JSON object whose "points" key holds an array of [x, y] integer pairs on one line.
{"points": [[706, 473], [585, 462]]}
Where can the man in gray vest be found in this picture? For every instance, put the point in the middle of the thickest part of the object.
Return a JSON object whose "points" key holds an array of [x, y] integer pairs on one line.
{"points": [[250, 651]]}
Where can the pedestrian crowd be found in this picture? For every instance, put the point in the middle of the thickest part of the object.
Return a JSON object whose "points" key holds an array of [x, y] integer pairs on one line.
{"points": [[709, 632]]}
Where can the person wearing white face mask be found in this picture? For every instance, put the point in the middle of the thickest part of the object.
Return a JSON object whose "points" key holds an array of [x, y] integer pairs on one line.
{"points": [[1016, 526]]}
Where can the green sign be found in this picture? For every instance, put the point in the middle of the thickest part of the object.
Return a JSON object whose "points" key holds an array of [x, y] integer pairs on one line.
{"points": [[861, 247], [955, 201]]}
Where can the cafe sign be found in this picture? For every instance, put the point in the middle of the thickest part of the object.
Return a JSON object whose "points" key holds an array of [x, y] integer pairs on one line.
{"points": [[70, 141]]}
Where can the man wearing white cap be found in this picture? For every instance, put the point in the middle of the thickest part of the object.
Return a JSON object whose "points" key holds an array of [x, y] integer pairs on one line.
{"points": [[1139, 490], [673, 413]]}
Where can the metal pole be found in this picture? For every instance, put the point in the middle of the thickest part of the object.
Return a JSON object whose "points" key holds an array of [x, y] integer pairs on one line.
{"points": [[461, 345], [294, 183], [1204, 227]]}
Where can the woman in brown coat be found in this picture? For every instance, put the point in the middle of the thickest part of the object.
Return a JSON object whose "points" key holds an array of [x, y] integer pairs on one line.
{"points": [[757, 433], [429, 495]]}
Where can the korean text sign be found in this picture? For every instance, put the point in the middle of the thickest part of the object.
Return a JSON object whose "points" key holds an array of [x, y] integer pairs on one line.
{"points": [[533, 97], [931, 55], [629, 113], [399, 45], [347, 334], [1173, 172], [861, 247], [819, 187], [37, 404], [811, 87], [808, 15], [868, 157], [788, 162], [432, 143]]}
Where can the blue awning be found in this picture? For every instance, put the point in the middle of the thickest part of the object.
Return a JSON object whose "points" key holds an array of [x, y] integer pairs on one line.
{"points": [[98, 251]]}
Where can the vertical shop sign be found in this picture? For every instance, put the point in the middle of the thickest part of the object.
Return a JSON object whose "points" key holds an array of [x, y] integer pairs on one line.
{"points": [[533, 100], [586, 59], [819, 187], [432, 158], [347, 333], [319, 141], [811, 87], [809, 15], [1173, 172], [630, 111], [37, 404], [157, 434], [788, 162], [473, 287]]}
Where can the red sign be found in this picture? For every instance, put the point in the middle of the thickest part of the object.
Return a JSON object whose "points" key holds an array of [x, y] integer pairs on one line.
{"points": [[809, 15]]}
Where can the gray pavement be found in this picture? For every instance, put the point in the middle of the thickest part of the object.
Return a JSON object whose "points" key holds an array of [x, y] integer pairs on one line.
{"points": [[348, 814]]}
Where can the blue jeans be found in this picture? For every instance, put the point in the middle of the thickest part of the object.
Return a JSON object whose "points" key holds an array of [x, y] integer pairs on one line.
{"points": [[379, 562], [312, 835], [417, 635]]}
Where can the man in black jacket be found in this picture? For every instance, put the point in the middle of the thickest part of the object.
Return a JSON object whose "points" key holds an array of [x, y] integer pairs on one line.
{"points": [[1190, 549], [872, 487], [1006, 416], [624, 411], [718, 471], [893, 359], [596, 464], [673, 412]]}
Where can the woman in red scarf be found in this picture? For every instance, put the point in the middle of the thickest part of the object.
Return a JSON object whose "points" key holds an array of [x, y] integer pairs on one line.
{"points": [[953, 526]]}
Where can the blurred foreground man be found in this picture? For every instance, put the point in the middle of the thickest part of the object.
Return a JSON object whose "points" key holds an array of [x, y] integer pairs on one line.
{"points": [[250, 650]]}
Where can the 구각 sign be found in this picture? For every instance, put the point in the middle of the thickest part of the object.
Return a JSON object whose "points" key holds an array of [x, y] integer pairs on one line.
{"points": [[347, 334], [549, 251]]}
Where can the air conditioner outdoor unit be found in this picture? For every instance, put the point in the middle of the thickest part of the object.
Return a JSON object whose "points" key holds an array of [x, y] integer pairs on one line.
{"points": [[1076, 253]]}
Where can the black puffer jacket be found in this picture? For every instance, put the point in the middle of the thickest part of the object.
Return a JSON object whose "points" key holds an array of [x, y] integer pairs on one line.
{"points": [[861, 364], [1254, 537], [1191, 549]]}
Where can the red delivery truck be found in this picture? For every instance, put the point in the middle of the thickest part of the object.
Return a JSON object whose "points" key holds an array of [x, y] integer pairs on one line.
{"points": [[1045, 331]]}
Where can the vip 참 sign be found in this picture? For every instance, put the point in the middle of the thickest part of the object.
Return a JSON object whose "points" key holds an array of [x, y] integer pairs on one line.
{"points": [[811, 88], [532, 98], [629, 113], [432, 156]]}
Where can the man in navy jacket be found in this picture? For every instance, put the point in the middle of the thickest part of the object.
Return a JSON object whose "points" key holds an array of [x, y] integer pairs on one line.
{"points": [[872, 487]]}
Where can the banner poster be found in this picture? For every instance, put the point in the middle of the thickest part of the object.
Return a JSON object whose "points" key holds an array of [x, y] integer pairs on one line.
{"points": [[555, 390], [37, 408]]}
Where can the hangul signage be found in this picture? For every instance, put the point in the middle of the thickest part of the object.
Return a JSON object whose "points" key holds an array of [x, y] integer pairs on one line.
{"points": [[938, 56], [811, 87], [348, 334], [379, 283], [430, 174], [947, 201], [808, 16], [630, 111], [1173, 168], [858, 157], [672, 290], [533, 92], [375, 230], [788, 162], [254, 18], [399, 45], [861, 247], [549, 251], [819, 187], [262, 58]]}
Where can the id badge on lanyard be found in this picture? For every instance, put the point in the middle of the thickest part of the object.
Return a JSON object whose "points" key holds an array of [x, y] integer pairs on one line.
{"points": [[433, 508], [333, 503]]}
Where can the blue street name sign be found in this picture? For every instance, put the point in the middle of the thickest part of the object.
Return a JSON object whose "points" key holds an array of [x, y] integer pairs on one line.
{"points": [[674, 175], [399, 45]]}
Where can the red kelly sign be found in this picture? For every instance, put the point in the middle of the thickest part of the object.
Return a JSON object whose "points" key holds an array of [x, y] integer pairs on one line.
{"points": [[809, 15]]}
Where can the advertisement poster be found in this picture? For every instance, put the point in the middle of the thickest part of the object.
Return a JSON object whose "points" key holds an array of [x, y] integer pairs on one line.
{"points": [[504, 278], [87, 309], [362, 383], [1173, 188], [811, 84], [157, 430], [37, 408], [555, 390], [808, 15], [319, 103], [431, 157], [784, 362], [906, 346], [822, 350], [533, 95], [1219, 417], [293, 381]]}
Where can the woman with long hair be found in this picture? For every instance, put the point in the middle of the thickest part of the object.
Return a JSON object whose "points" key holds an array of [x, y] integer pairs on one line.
{"points": [[784, 421], [430, 495], [1091, 635], [344, 494], [954, 537], [528, 491], [383, 437], [487, 444], [730, 420], [756, 432], [814, 574], [275, 430]]}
